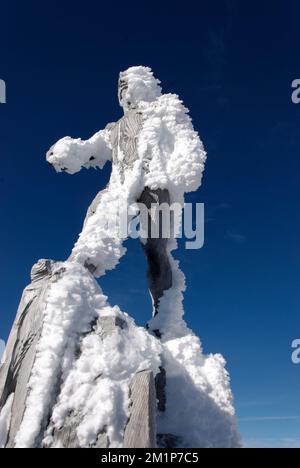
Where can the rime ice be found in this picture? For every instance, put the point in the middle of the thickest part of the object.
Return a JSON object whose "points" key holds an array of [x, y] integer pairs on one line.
{"points": [[159, 151]]}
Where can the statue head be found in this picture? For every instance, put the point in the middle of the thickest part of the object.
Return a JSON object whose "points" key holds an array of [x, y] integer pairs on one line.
{"points": [[136, 85]]}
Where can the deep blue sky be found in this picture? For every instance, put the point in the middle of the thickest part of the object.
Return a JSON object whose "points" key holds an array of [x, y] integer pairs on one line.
{"points": [[233, 68]]}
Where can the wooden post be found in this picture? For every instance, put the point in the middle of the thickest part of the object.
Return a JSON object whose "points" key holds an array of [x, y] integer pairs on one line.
{"points": [[140, 431], [20, 355], [21, 346]]}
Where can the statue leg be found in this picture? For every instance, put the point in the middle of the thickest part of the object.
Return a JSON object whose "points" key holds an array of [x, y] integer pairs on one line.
{"points": [[100, 244], [93, 206], [155, 249]]}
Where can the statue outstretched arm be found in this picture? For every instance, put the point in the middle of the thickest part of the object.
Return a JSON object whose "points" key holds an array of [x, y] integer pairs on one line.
{"points": [[71, 155]]}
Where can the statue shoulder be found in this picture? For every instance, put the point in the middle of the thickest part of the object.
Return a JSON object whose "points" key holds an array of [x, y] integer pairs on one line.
{"points": [[171, 103]]}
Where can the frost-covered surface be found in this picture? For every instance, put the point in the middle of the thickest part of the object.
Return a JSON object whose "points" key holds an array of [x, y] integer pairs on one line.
{"points": [[170, 155], [174, 150], [74, 300], [137, 85], [97, 388], [179, 170], [168, 145], [170, 320], [199, 399], [101, 240], [95, 385], [95, 372], [5, 417], [70, 155]]}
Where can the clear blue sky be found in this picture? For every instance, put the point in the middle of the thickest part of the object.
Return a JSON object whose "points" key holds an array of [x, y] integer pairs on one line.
{"points": [[233, 67]]}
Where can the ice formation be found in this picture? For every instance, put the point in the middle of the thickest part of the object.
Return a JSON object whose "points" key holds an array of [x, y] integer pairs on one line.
{"points": [[170, 155], [199, 400], [95, 374]]}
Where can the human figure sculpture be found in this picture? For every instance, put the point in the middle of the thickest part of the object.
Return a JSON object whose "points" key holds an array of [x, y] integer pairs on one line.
{"points": [[156, 157], [78, 373]]}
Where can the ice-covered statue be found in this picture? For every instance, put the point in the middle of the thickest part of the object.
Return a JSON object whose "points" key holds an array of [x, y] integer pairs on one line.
{"points": [[156, 157], [78, 372]]}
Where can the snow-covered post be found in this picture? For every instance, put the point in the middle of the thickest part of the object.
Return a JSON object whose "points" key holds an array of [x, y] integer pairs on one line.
{"points": [[20, 352], [56, 323]]}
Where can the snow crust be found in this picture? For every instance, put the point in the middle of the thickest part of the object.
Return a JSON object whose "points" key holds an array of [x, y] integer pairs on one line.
{"points": [[137, 85], [96, 385], [173, 148], [94, 373], [71, 155]]}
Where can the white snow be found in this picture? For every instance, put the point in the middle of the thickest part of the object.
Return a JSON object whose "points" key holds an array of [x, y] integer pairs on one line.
{"points": [[97, 388], [174, 150], [5, 417], [171, 155], [138, 85], [168, 145], [100, 243], [70, 155], [199, 399], [95, 385], [73, 301]]}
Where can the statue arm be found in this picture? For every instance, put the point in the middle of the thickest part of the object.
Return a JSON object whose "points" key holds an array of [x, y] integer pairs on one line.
{"points": [[71, 155]]}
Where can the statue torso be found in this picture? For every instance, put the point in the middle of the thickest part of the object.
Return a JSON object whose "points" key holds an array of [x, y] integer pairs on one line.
{"points": [[124, 138]]}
